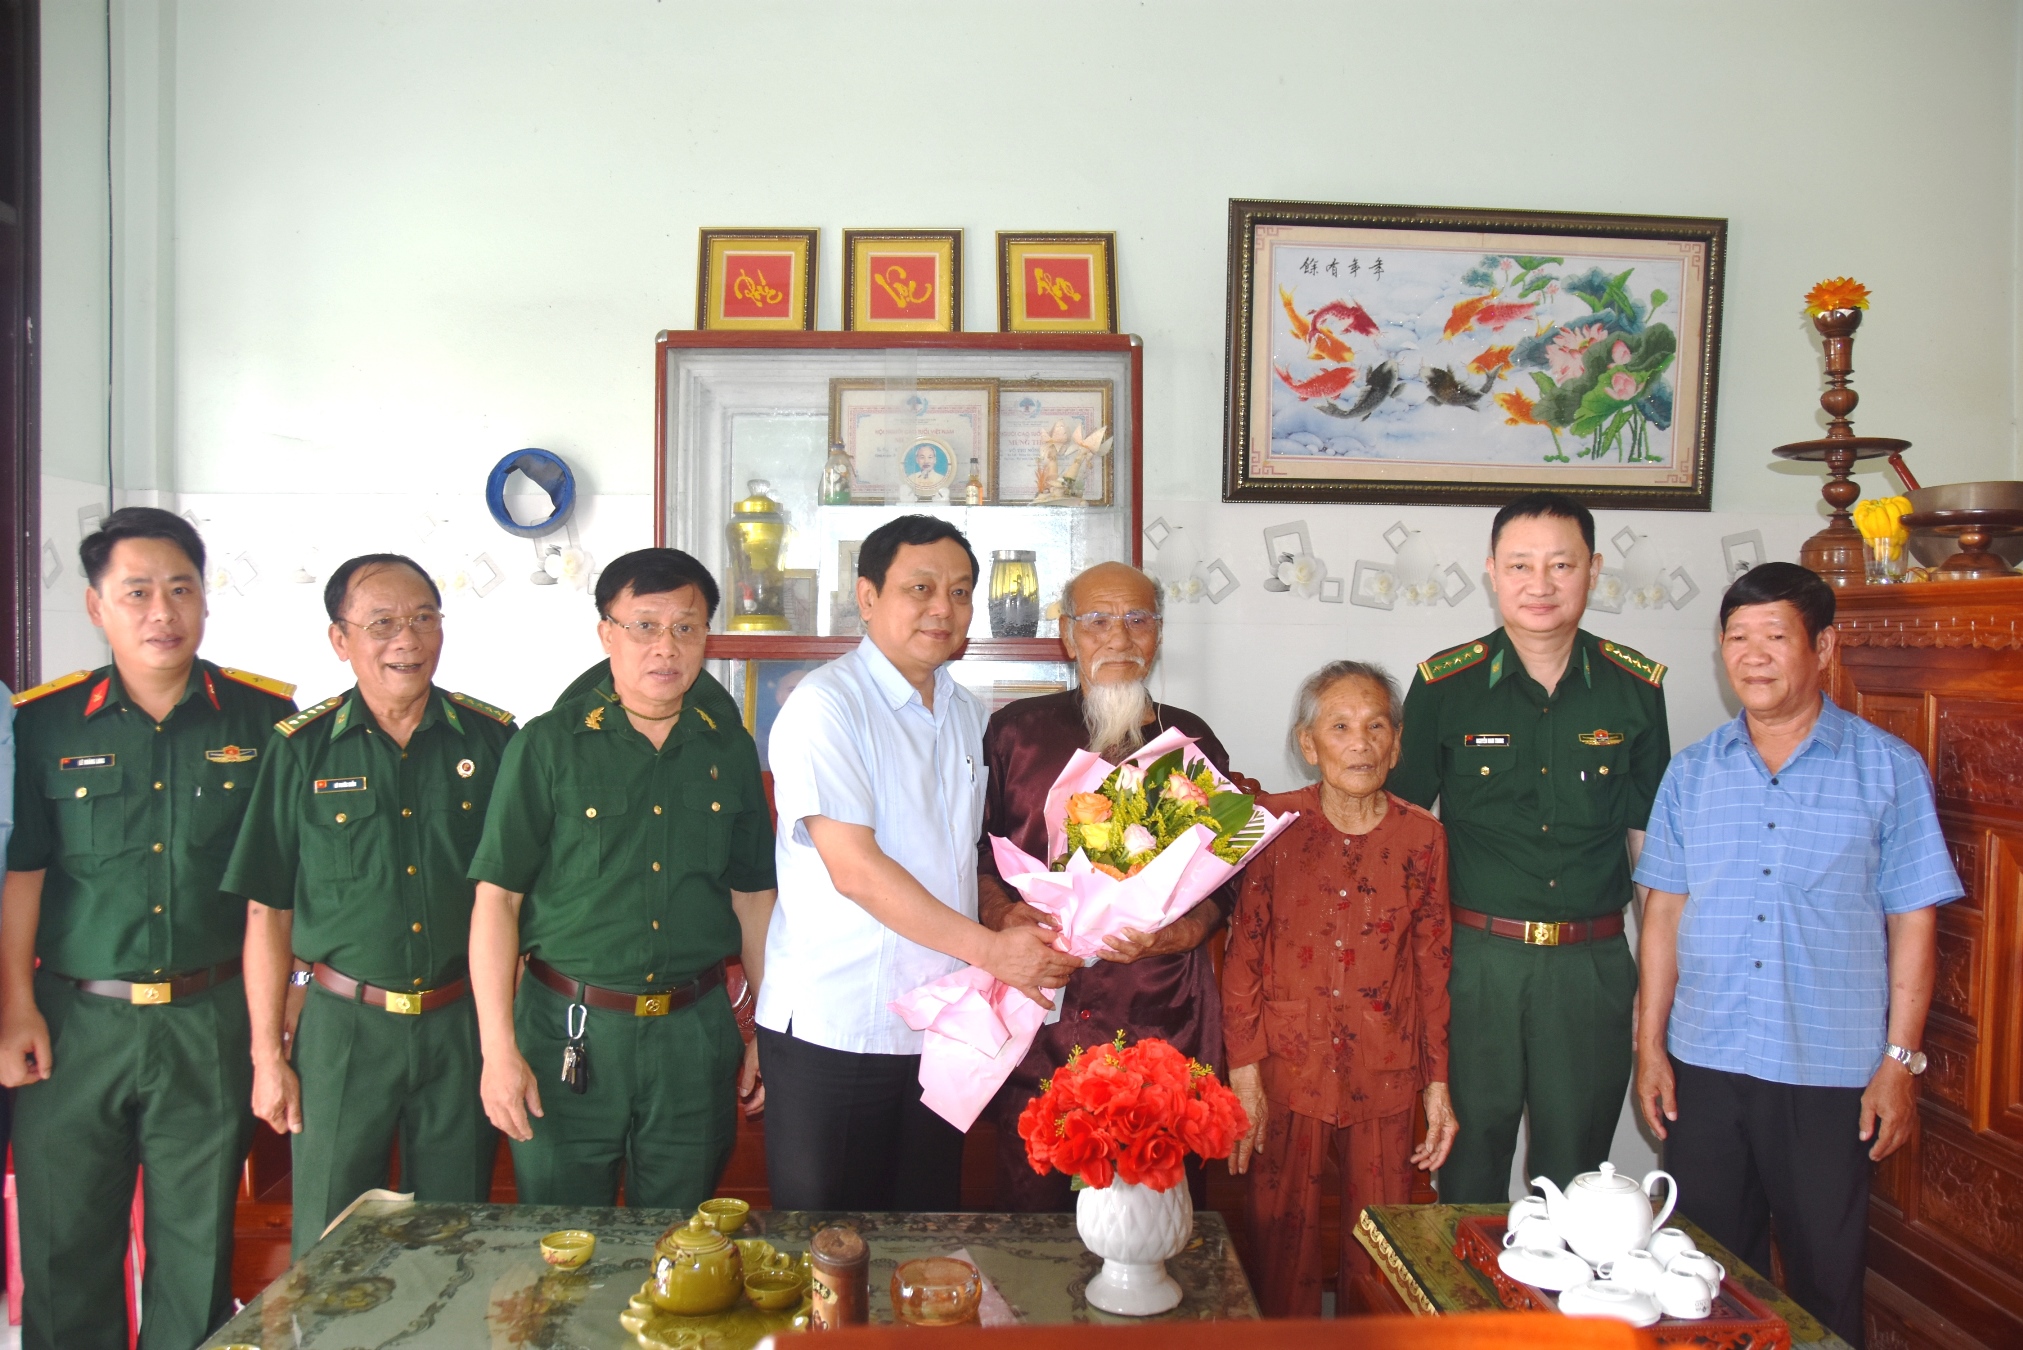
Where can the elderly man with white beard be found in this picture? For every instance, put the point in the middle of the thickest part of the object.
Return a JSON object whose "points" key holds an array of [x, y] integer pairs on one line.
{"points": [[1157, 984]]}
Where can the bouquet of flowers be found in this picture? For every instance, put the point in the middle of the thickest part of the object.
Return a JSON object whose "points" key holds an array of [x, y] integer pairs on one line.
{"points": [[1136, 812], [1135, 845], [1132, 1113]]}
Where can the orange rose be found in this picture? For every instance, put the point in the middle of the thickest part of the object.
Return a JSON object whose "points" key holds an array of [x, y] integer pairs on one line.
{"points": [[1088, 808]]}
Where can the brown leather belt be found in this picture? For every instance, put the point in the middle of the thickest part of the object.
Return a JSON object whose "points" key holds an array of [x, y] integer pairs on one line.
{"points": [[1541, 934], [659, 1003], [162, 991], [393, 1000]]}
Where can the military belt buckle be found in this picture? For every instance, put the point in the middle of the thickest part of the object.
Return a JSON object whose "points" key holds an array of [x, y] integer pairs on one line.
{"points": [[397, 1002], [649, 1005], [149, 993], [1542, 934]]}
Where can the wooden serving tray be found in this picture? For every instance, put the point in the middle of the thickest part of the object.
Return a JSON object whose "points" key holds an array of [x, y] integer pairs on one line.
{"points": [[1739, 1320]]}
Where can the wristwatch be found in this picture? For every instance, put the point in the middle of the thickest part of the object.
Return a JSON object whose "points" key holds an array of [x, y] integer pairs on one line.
{"points": [[1914, 1060]]}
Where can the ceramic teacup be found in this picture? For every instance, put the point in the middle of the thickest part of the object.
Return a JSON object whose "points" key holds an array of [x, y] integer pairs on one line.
{"points": [[1605, 1298], [1667, 1243], [1638, 1270], [1537, 1234], [1530, 1207], [1705, 1267], [1681, 1293]]}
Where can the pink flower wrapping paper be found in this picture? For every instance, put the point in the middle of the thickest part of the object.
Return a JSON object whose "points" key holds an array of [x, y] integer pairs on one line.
{"points": [[978, 1028]]}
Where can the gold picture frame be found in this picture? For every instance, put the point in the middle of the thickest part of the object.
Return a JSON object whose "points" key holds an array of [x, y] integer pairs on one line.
{"points": [[1057, 283], [902, 281], [756, 280]]}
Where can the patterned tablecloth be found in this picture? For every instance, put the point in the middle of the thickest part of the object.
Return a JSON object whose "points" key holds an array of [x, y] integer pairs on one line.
{"points": [[397, 1273], [1413, 1245]]}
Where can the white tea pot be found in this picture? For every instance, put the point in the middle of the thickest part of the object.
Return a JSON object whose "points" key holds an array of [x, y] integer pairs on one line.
{"points": [[1603, 1215]]}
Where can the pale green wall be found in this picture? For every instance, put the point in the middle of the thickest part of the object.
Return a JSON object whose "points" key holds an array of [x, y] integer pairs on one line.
{"points": [[415, 232]]}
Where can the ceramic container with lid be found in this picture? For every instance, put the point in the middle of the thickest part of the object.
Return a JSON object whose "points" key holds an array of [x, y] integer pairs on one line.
{"points": [[696, 1269], [1603, 1214]]}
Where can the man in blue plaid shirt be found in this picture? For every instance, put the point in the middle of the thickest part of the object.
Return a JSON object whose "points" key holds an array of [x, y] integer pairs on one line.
{"points": [[1795, 867]]}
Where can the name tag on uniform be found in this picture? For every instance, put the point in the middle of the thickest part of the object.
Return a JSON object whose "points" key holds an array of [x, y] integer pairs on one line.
{"points": [[339, 785], [1483, 740], [85, 762]]}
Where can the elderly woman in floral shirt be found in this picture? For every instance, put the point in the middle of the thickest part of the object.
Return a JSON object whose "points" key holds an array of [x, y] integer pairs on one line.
{"points": [[1334, 1006]]}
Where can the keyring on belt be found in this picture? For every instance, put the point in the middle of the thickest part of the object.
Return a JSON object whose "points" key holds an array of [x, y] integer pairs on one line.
{"points": [[577, 1021]]}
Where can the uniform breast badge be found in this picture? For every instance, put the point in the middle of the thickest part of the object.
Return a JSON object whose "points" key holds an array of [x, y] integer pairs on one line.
{"points": [[465, 768]]}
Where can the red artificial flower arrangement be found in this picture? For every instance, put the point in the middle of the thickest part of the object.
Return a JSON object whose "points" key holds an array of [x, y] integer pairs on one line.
{"points": [[1132, 1112]]}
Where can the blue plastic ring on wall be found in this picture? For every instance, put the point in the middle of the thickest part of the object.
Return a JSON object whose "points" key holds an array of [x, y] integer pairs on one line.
{"points": [[549, 472]]}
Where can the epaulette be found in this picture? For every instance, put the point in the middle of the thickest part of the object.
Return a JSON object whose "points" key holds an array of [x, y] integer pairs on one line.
{"points": [[42, 690], [278, 688], [478, 705], [1643, 667], [288, 726], [1453, 662]]}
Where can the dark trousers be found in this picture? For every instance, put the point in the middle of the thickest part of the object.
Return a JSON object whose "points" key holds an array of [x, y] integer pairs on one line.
{"points": [[847, 1131], [165, 1088], [661, 1108], [1544, 1027], [371, 1077], [1748, 1153]]}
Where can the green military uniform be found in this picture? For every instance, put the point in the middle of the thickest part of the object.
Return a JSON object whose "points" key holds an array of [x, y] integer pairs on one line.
{"points": [[1537, 793], [368, 843], [627, 857], [131, 822]]}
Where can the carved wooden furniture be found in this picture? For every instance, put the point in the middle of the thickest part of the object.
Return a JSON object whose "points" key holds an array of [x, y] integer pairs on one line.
{"points": [[1941, 665]]}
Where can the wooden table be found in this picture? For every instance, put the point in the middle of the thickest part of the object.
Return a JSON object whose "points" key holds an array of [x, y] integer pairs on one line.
{"points": [[1413, 1245], [397, 1273]]}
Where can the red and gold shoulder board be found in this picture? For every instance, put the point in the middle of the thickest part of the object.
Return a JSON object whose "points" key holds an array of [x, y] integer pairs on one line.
{"points": [[51, 687], [1643, 667], [1437, 668], [278, 688]]}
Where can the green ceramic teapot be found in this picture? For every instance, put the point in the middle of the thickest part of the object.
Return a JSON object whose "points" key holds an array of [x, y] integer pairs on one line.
{"points": [[696, 1269]]}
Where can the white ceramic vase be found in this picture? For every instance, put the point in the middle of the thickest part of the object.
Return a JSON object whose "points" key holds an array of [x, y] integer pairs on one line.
{"points": [[1134, 1229]]}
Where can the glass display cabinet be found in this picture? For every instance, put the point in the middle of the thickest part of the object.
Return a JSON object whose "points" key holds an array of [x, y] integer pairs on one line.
{"points": [[777, 453]]}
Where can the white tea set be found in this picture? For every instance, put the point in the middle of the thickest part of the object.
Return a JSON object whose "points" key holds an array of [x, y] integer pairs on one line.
{"points": [[1623, 1262]]}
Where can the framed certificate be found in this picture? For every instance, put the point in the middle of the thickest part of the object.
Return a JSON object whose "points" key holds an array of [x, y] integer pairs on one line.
{"points": [[1053, 443], [914, 442]]}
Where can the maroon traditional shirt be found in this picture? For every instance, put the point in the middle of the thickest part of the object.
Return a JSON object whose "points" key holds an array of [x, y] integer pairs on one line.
{"points": [[1336, 975], [1026, 746]]}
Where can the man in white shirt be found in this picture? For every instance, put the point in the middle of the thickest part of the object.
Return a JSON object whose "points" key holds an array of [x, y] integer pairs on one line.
{"points": [[878, 779]]}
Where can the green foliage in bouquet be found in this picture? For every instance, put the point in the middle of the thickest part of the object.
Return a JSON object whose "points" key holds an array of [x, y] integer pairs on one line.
{"points": [[1136, 813]]}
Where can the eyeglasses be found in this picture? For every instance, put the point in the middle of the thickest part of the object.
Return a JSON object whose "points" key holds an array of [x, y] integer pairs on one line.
{"points": [[386, 629], [648, 631], [1101, 624]]}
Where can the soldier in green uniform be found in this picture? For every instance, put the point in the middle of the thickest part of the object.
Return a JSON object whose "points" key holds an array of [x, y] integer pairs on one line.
{"points": [[628, 852], [128, 1045], [353, 858], [1544, 746]]}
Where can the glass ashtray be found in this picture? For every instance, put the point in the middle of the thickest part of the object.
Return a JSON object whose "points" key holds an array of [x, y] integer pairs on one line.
{"points": [[936, 1291]]}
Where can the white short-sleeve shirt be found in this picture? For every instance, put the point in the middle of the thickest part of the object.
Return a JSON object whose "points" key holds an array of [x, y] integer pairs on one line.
{"points": [[854, 743]]}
